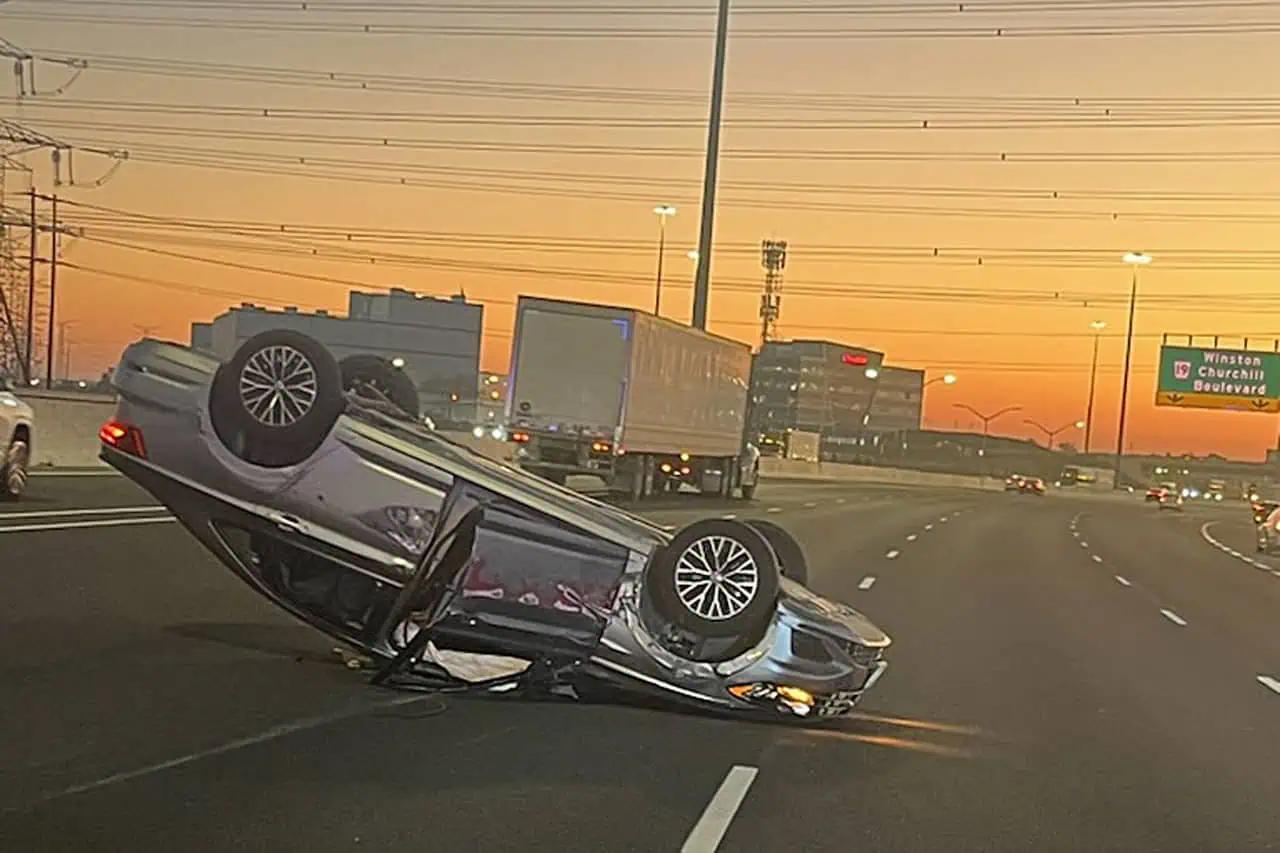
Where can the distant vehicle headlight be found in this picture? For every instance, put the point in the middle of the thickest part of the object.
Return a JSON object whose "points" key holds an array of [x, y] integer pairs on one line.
{"points": [[478, 432]]}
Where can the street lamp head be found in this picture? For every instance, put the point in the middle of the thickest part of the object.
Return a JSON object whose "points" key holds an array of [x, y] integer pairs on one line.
{"points": [[665, 210], [1079, 424], [950, 379], [1098, 325], [693, 255], [872, 373], [1137, 258]]}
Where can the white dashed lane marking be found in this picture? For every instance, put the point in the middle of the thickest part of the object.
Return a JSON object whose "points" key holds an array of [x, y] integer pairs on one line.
{"points": [[1269, 683], [1174, 618], [1097, 559], [811, 505], [867, 583], [913, 537], [774, 509], [928, 527], [1123, 581], [1232, 552], [1084, 544], [711, 827], [892, 555]]}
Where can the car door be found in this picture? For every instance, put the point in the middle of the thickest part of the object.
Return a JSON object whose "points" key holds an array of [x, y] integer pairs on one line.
{"points": [[523, 583]]}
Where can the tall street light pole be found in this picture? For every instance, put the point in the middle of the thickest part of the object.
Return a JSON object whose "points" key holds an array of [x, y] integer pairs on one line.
{"points": [[1051, 435], [945, 379], [987, 420], [663, 211], [1134, 260], [702, 285], [1097, 326]]}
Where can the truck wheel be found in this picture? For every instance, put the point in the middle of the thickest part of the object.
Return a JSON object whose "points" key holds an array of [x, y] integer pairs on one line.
{"points": [[277, 398], [13, 470], [378, 374], [716, 579], [791, 556]]}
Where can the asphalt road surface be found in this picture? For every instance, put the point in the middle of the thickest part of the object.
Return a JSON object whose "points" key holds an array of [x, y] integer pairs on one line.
{"points": [[1067, 674]]}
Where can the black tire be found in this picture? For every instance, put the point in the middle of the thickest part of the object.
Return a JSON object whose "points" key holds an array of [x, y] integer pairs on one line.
{"points": [[13, 469], [748, 492], [744, 617], [793, 564], [383, 377], [268, 428]]}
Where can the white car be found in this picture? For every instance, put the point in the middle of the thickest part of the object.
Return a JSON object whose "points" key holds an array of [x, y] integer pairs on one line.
{"points": [[17, 425]]}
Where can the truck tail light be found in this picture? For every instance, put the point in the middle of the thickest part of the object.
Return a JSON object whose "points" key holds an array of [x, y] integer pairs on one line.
{"points": [[520, 437], [601, 447], [123, 437]]}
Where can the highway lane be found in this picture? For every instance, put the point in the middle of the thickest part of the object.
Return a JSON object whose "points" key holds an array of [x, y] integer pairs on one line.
{"points": [[1032, 703]]}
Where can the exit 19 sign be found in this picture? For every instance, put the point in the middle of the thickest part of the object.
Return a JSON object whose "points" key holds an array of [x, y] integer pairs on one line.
{"points": [[1199, 378]]}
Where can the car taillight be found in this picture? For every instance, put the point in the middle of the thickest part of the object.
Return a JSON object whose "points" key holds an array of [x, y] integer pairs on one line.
{"points": [[123, 437], [520, 437], [601, 447]]}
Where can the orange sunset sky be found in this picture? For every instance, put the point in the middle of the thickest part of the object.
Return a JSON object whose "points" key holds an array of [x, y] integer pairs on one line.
{"points": [[532, 161]]}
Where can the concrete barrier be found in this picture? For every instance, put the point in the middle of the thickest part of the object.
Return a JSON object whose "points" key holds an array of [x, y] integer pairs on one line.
{"points": [[791, 469], [66, 428]]}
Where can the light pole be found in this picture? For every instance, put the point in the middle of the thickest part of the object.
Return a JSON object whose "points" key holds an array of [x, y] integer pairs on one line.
{"points": [[1097, 326], [986, 426], [1134, 260], [663, 211], [702, 285], [949, 379], [1052, 434]]}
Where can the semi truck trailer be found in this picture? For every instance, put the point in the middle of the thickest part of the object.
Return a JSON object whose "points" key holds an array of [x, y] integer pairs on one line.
{"points": [[645, 404]]}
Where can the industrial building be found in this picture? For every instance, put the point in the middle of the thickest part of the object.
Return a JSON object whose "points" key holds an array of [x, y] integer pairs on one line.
{"points": [[813, 386], [437, 339], [898, 405]]}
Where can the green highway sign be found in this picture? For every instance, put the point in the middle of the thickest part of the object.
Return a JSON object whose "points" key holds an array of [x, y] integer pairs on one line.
{"points": [[1200, 378]]}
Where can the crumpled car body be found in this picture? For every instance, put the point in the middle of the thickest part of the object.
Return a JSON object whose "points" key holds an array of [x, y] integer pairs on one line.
{"points": [[422, 554]]}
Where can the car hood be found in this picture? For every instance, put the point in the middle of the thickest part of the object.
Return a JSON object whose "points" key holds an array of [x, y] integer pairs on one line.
{"points": [[830, 616]]}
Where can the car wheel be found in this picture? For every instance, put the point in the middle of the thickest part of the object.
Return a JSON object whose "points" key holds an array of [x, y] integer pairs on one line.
{"points": [[790, 554], [377, 373], [13, 473], [716, 579], [749, 492], [277, 398]]}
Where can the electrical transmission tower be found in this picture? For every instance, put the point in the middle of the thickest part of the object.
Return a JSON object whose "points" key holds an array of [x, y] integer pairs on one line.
{"points": [[773, 256]]}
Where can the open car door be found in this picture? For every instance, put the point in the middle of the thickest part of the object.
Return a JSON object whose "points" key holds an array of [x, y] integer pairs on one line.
{"points": [[500, 578]]}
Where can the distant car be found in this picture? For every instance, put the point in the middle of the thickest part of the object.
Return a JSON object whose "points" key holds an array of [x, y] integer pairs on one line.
{"points": [[1171, 499], [17, 426], [1154, 494], [1013, 483], [1032, 486]]}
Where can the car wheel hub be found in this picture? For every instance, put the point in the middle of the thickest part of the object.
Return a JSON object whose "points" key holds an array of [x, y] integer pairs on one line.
{"points": [[716, 578], [278, 386]]}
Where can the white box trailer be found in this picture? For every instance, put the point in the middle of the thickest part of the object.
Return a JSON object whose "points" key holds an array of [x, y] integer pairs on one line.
{"points": [[644, 403]]}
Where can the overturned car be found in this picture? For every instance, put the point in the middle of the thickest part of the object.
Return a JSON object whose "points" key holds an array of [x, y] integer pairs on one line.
{"points": [[318, 485]]}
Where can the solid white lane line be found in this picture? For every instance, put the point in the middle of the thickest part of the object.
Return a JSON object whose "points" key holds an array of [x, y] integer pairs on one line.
{"points": [[1269, 683], [913, 537], [1233, 552], [892, 555], [1174, 618], [1097, 559], [1122, 581], [74, 525], [774, 509], [270, 734], [711, 827], [867, 583], [106, 510]]}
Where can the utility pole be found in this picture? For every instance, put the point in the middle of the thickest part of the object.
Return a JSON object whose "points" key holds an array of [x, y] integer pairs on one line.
{"points": [[53, 296], [64, 347], [29, 349], [1134, 260], [773, 257], [702, 286], [1097, 326]]}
